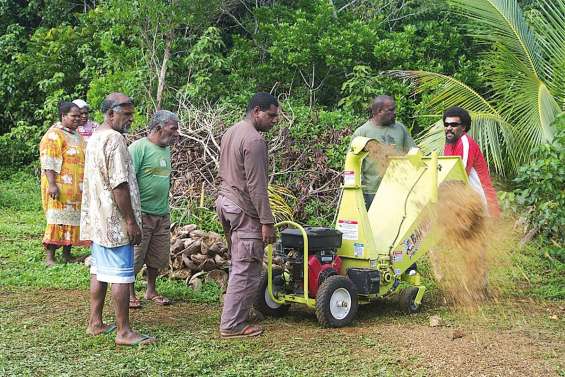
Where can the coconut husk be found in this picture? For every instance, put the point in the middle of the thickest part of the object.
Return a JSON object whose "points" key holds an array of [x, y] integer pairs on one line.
{"points": [[278, 261], [193, 248], [219, 277], [188, 242], [177, 263], [197, 234], [214, 249], [195, 284], [196, 250], [198, 258], [204, 248], [177, 246], [207, 265], [215, 237], [221, 263], [196, 281], [188, 263], [184, 231]]}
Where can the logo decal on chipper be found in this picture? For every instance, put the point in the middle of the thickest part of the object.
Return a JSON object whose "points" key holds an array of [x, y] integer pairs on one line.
{"points": [[412, 243]]}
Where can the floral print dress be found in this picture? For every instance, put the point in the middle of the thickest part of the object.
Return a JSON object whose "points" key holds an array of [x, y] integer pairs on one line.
{"points": [[62, 150]]}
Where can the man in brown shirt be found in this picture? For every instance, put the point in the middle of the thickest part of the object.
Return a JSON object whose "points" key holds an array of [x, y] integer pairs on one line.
{"points": [[244, 211]]}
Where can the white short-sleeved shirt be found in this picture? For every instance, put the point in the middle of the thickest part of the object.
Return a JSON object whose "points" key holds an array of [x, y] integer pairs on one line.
{"points": [[107, 165]]}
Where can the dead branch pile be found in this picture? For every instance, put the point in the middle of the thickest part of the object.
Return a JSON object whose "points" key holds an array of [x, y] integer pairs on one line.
{"points": [[198, 257], [301, 166]]}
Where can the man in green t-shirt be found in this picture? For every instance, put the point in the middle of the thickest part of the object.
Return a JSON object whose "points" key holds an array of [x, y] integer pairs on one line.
{"points": [[151, 157], [382, 127]]}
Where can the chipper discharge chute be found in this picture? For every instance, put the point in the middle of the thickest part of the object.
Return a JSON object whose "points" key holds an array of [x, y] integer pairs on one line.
{"points": [[368, 253]]}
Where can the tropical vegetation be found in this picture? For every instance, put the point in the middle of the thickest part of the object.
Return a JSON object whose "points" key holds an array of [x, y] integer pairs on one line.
{"points": [[502, 59]]}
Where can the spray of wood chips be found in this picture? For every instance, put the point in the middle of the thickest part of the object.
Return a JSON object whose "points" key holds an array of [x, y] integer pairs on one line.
{"points": [[473, 250], [472, 257], [380, 153]]}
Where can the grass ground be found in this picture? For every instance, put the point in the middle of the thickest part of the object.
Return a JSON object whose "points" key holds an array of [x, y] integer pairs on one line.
{"points": [[43, 317]]}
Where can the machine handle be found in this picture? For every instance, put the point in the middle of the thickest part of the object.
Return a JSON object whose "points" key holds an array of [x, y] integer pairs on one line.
{"points": [[270, 264]]}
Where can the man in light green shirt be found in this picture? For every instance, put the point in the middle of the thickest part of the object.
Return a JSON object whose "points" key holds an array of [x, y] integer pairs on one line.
{"points": [[383, 127], [151, 157]]}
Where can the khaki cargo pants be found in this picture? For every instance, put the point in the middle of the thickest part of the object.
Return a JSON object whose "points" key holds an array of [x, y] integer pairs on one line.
{"points": [[247, 252]]}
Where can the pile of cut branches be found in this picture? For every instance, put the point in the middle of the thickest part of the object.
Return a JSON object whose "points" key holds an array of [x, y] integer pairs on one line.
{"points": [[299, 172]]}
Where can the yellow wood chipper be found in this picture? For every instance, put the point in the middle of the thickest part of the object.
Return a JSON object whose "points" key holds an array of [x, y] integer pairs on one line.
{"points": [[367, 254]]}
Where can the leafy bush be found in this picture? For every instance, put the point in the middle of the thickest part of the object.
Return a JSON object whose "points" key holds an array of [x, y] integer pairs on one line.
{"points": [[20, 146], [541, 190]]}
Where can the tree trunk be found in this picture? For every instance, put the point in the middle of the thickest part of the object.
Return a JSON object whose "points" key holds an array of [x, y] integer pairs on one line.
{"points": [[163, 72]]}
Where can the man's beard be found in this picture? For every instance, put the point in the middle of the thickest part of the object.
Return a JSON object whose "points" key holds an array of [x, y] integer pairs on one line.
{"points": [[124, 130], [453, 139]]}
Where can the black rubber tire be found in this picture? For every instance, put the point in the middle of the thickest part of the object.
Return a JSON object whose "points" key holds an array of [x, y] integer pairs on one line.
{"points": [[260, 301], [407, 298], [323, 301]]}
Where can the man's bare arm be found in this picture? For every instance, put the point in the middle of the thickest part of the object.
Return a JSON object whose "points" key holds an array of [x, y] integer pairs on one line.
{"points": [[123, 201]]}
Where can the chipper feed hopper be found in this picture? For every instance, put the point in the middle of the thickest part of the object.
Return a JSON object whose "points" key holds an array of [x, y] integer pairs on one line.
{"points": [[367, 254]]}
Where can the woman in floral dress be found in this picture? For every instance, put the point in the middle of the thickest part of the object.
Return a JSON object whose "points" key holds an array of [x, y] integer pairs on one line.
{"points": [[62, 167]]}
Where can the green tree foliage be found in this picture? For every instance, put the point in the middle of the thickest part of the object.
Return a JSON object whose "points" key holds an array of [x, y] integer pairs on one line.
{"points": [[322, 57], [541, 191]]}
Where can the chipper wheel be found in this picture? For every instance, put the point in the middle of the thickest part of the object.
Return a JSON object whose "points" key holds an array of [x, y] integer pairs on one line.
{"points": [[263, 301], [336, 302], [407, 298]]}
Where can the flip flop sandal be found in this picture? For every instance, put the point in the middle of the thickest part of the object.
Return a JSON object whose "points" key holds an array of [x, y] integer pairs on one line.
{"points": [[144, 340], [160, 300], [247, 331], [135, 304], [110, 329]]}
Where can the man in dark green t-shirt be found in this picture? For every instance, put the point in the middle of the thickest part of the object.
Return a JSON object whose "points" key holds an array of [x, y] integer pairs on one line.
{"points": [[151, 157], [383, 127]]}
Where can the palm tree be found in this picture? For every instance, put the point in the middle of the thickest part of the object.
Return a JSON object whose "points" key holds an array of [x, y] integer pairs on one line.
{"points": [[525, 75]]}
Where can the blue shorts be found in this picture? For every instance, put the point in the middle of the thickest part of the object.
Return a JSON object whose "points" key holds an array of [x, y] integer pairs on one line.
{"points": [[112, 264]]}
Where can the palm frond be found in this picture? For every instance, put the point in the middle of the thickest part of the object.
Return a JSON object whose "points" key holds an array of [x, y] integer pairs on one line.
{"points": [[552, 42], [502, 21], [521, 97], [282, 202], [494, 135], [432, 139], [447, 91]]}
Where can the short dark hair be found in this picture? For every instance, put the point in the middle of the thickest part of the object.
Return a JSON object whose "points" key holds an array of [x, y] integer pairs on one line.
{"points": [[263, 100], [461, 113], [65, 108]]}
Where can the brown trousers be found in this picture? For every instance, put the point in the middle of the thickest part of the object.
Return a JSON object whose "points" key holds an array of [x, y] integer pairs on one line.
{"points": [[247, 252]]}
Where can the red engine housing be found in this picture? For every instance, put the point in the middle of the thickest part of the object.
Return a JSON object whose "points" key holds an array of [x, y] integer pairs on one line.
{"points": [[315, 270]]}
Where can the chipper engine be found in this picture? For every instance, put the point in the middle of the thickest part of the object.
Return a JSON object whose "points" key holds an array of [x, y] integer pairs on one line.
{"points": [[368, 254]]}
